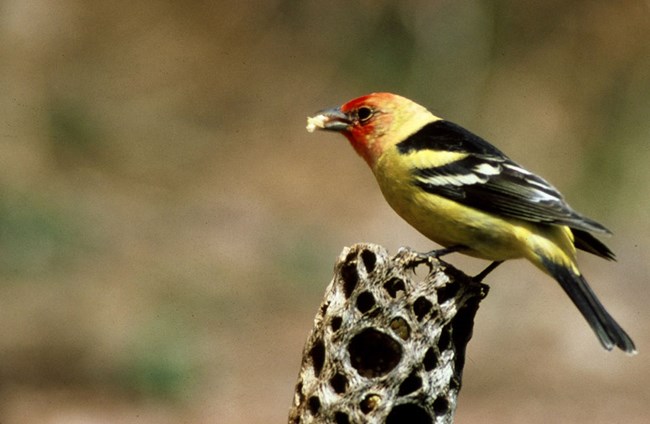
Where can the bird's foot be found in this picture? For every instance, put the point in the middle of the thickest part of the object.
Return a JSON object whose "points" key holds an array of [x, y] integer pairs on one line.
{"points": [[438, 253]]}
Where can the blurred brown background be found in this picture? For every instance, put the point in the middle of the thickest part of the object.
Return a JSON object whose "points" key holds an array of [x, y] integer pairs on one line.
{"points": [[167, 226]]}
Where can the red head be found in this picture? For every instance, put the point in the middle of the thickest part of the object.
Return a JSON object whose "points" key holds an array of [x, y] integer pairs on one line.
{"points": [[374, 122]]}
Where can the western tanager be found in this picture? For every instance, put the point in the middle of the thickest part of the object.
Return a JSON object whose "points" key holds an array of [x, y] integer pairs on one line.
{"points": [[466, 195]]}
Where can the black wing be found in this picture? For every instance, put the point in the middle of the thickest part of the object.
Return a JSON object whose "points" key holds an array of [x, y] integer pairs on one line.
{"points": [[488, 180], [449, 137]]}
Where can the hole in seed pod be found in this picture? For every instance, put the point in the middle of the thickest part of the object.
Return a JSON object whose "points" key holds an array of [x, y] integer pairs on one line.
{"points": [[422, 270], [421, 307], [352, 255], [299, 393], [440, 406], [447, 291], [314, 405], [412, 383], [341, 418], [335, 323], [393, 286], [350, 278], [323, 308], [370, 403], [365, 301], [430, 360], [369, 260], [373, 353], [317, 355], [339, 383], [445, 338], [408, 413], [400, 327]]}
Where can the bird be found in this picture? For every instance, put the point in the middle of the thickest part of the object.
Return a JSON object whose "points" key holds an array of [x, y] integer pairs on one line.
{"points": [[464, 194]]}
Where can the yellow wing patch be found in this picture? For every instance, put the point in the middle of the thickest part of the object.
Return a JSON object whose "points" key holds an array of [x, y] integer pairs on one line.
{"points": [[432, 158]]}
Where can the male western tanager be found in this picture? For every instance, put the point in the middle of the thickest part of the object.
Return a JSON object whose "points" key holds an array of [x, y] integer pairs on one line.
{"points": [[465, 194]]}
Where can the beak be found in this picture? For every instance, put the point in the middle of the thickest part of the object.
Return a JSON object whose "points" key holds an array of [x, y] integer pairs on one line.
{"points": [[330, 120]]}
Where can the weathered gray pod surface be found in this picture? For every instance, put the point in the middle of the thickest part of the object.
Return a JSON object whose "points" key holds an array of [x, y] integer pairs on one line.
{"points": [[387, 346]]}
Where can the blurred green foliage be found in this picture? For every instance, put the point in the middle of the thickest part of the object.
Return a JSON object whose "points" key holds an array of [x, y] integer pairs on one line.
{"points": [[36, 238], [161, 361]]}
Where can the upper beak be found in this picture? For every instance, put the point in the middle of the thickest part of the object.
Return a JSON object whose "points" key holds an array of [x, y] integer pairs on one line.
{"points": [[329, 119]]}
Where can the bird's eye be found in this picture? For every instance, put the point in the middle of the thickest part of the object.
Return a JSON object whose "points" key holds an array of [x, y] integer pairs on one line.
{"points": [[364, 114]]}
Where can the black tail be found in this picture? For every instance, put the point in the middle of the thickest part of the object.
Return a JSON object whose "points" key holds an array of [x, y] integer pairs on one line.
{"points": [[589, 243], [606, 328]]}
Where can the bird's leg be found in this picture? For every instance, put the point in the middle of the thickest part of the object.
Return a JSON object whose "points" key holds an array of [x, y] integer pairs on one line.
{"points": [[481, 275]]}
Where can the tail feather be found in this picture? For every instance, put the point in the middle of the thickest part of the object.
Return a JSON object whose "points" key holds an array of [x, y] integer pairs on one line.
{"points": [[606, 328], [588, 243]]}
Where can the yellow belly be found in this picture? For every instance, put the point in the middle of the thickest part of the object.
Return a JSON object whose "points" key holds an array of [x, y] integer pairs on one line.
{"points": [[450, 224]]}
